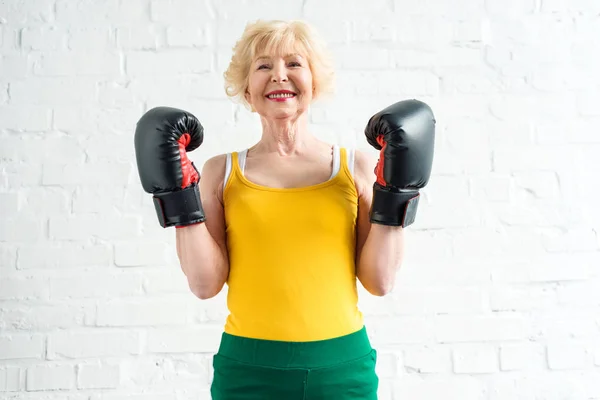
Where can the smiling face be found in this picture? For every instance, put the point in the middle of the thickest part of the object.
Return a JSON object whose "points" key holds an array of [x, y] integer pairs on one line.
{"points": [[280, 85]]}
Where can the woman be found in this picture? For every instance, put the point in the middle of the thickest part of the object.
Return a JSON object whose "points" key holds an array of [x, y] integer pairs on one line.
{"points": [[289, 224]]}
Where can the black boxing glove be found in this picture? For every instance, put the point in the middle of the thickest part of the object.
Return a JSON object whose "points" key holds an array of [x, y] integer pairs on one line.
{"points": [[404, 133], [163, 136]]}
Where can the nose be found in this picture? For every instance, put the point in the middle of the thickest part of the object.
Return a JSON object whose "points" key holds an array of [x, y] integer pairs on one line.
{"points": [[279, 73]]}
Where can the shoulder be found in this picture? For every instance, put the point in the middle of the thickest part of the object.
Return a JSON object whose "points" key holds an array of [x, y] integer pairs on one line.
{"points": [[213, 173], [364, 171], [364, 167]]}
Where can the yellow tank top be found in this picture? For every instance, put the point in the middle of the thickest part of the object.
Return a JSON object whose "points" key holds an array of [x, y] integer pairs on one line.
{"points": [[292, 258]]}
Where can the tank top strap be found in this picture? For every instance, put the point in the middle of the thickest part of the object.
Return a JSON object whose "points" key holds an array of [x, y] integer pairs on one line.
{"points": [[347, 161]]}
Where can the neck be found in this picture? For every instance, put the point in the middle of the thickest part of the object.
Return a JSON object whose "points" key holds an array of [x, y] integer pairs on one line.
{"points": [[284, 136]]}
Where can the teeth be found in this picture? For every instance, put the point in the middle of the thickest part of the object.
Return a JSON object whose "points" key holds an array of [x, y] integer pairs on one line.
{"points": [[280, 95]]}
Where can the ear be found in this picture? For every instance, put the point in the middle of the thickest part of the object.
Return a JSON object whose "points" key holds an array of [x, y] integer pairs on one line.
{"points": [[249, 100]]}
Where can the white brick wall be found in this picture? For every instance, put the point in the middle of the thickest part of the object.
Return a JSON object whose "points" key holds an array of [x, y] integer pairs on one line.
{"points": [[499, 296]]}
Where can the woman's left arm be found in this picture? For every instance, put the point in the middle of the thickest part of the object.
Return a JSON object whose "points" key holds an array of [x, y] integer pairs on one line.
{"points": [[379, 248]]}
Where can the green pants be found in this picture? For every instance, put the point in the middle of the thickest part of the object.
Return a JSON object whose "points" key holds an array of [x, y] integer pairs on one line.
{"points": [[336, 369]]}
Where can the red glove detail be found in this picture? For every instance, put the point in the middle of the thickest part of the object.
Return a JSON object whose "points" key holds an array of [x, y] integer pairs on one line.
{"points": [[190, 175], [379, 166]]}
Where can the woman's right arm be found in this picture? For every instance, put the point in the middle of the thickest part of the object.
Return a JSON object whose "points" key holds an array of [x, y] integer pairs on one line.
{"points": [[202, 248]]}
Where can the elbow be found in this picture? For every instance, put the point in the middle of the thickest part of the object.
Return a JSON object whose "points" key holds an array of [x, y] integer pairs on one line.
{"points": [[204, 295], [378, 287], [381, 289], [204, 292]]}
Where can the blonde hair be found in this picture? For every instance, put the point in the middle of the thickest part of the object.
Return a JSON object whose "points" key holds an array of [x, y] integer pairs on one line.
{"points": [[281, 37]]}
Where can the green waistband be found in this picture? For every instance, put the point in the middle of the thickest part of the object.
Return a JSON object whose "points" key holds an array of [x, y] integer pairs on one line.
{"points": [[296, 354]]}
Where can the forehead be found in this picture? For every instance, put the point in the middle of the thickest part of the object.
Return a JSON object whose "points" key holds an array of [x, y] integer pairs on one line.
{"points": [[285, 46]]}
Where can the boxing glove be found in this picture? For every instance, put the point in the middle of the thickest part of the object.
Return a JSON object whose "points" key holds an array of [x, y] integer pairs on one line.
{"points": [[404, 134], [163, 136]]}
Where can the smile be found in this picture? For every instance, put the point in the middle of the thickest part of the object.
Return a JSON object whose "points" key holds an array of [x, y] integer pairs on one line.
{"points": [[280, 96]]}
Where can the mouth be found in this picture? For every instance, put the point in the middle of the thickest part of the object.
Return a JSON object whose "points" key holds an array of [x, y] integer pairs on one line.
{"points": [[280, 95]]}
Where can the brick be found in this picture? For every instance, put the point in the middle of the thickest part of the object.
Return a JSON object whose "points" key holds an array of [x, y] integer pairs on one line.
{"points": [[458, 328], [563, 324], [96, 285], [314, 8], [50, 377], [142, 312], [114, 94], [401, 330], [15, 66], [189, 340], [98, 38], [15, 175], [579, 294], [21, 346], [98, 376], [24, 119], [438, 387], [91, 225], [113, 396], [23, 288], [48, 316], [523, 297], [63, 255], [106, 64], [73, 91], [9, 202], [85, 13], [8, 257], [363, 58], [427, 359], [27, 12], [475, 359], [46, 201], [38, 150], [90, 122], [571, 240], [522, 357], [10, 379], [168, 62], [140, 37], [145, 253], [85, 199], [193, 12], [43, 38], [261, 9], [170, 280], [560, 6], [10, 40], [76, 344], [171, 88], [562, 356], [469, 81], [182, 36], [511, 8], [100, 173], [3, 92], [387, 364], [544, 268], [439, 300]]}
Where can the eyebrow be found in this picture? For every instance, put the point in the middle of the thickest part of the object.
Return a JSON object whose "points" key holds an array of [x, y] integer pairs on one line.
{"points": [[265, 57]]}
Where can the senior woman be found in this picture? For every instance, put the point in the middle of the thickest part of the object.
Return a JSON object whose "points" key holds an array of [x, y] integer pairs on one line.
{"points": [[290, 223]]}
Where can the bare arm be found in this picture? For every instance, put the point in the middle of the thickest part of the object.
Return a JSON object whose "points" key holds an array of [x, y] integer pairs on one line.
{"points": [[379, 248], [202, 248]]}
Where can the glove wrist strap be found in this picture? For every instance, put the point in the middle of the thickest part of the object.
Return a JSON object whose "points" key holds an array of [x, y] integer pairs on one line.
{"points": [[179, 208], [393, 207]]}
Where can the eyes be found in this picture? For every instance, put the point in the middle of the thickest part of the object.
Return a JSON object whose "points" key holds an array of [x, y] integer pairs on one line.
{"points": [[291, 64]]}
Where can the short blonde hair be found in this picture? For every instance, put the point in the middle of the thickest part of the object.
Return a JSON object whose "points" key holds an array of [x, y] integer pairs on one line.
{"points": [[281, 37]]}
